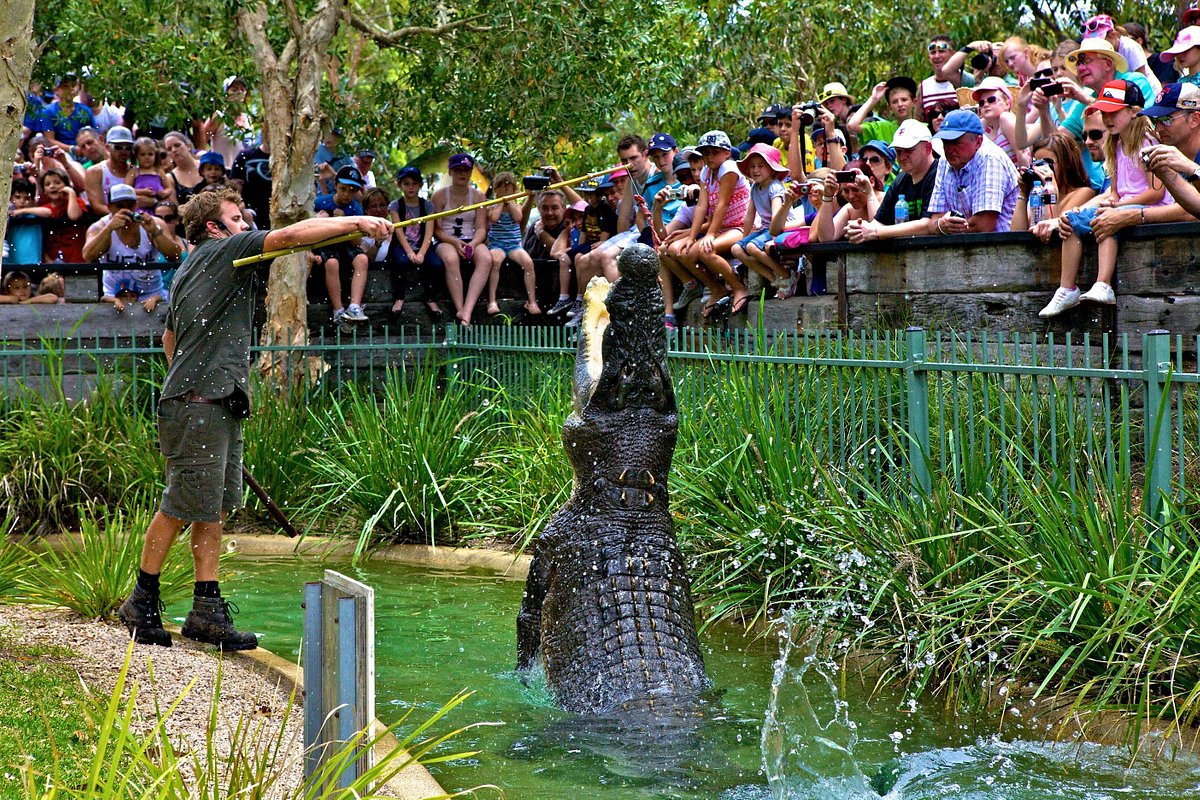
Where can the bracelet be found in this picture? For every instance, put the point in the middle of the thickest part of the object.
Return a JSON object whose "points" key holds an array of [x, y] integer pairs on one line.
{"points": [[939, 226], [828, 198], [1024, 197], [1143, 222]]}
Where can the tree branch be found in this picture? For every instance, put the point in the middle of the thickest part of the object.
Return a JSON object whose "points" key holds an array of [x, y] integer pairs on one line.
{"points": [[1048, 22], [252, 21], [293, 19], [394, 37]]}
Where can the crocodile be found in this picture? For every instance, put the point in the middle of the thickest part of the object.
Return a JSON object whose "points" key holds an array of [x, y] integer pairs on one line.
{"points": [[607, 609]]}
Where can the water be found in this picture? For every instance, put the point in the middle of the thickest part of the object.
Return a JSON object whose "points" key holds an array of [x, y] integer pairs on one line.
{"points": [[438, 632]]}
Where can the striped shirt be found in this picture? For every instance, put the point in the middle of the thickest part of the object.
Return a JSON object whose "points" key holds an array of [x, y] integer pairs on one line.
{"points": [[988, 182]]}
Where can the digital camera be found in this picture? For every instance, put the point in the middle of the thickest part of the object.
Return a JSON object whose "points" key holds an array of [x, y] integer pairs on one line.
{"points": [[690, 195], [139, 216], [535, 183], [808, 112]]}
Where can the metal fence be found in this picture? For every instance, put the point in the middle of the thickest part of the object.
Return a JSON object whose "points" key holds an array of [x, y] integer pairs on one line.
{"points": [[916, 405]]}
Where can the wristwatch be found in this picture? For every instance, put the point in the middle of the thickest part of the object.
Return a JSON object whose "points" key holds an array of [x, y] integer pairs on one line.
{"points": [[1194, 177]]}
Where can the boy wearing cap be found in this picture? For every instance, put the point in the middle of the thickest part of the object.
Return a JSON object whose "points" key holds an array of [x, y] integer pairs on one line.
{"points": [[976, 184], [61, 120], [899, 93], [335, 258], [212, 170], [913, 145]]}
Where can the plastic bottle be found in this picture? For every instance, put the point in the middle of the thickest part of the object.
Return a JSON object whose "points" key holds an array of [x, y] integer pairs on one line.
{"points": [[901, 210], [1049, 203], [1035, 204]]}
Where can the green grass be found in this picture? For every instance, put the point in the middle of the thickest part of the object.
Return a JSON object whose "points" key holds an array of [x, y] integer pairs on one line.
{"points": [[47, 718]]}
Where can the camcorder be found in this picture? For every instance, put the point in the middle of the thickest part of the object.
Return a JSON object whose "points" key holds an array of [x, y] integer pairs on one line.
{"points": [[808, 113], [690, 195], [983, 59], [535, 183]]}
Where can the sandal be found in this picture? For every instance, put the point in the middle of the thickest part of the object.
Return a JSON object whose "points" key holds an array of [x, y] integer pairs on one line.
{"points": [[712, 305], [739, 306]]}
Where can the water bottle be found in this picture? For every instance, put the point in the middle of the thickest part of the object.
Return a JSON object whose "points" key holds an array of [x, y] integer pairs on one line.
{"points": [[1035, 203], [1049, 203], [901, 210]]}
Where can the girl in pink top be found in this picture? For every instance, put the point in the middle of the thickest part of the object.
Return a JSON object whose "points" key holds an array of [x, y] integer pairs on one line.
{"points": [[148, 177], [1132, 186], [717, 224]]}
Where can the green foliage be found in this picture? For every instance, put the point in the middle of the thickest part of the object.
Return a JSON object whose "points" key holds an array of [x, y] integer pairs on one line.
{"points": [[129, 763], [93, 576], [47, 721], [401, 465]]}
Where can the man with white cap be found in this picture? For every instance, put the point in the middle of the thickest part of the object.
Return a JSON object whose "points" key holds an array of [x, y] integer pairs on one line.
{"points": [[976, 187], [100, 178], [1176, 160], [913, 144]]}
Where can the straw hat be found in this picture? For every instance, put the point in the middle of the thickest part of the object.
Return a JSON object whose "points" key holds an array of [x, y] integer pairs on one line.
{"points": [[1099, 47]]}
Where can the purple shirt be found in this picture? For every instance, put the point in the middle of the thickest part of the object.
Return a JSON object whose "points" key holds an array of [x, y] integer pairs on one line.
{"points": [[988, 182]]}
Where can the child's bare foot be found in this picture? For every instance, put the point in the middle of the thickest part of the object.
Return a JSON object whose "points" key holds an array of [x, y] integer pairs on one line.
{"points": [[493, 309], [397, 306], [533, 308]]}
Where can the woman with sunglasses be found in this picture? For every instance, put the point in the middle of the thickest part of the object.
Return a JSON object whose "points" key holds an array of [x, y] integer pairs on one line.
{"points": [[168, 212], [994, 99], [935, 115], [1058, 164]]}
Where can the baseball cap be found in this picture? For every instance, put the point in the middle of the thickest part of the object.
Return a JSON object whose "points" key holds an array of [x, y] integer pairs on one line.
{"points": [[1098, 26], [957, 123], [366, 154], [819, 133], [911, 133], [350, 176], [1174, 97], [881, 147], [590, 185], [763, 135], [1188, 38], [1192, 15], [662, 141], [1099, 47], [680, 162], [832, 90], [605, 182], [991, 84], [1116, 95], [119, 134], [620, 173], [408, 172], [460, 160], [716, 139], [210, 157], [230, 81], [773, 111], [121, 191], [900, 82], [578, 205]]}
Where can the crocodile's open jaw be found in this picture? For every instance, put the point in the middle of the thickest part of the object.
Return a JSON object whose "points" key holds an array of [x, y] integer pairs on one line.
{"points": [[595, 323]]}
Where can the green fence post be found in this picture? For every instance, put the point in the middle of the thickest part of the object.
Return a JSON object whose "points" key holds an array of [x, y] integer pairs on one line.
{"points": [[918, 410], [1156, 365]]}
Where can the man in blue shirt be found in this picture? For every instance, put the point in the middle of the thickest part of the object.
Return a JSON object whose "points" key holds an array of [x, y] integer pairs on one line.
{"points": [[62, 119], [343, 202]]}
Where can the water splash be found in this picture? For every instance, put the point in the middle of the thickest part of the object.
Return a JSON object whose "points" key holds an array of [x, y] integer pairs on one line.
{"points": [[808, 750]]}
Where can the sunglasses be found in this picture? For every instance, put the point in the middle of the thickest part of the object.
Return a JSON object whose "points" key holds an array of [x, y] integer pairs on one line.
{"points": [[1044, 73], [991, 98], [169, 217], [873, 159], [936, 112], [939, 47], [1094, 25], [122, 147], [1095, 135], [1164, 122]]}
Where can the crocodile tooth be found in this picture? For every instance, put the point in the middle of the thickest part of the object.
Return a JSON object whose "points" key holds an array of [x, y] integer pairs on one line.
{"points": [[624, 473], [624, 499], [650, 477], [649, 498]]}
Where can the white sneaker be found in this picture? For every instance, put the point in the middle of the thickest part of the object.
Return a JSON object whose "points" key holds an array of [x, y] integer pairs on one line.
{"points": [[1062, 300], [339, 315], [1100, 292], [355, 313]]}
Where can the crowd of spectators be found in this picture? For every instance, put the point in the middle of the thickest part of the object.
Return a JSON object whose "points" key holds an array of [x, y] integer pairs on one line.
{"points": [[1071, 142]]}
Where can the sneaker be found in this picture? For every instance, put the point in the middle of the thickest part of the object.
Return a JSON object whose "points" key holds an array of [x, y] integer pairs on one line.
{"points": [[211, 621], [339, 315], [142, 615], [1062, 300], [575, 315], [355, 313], [1100, 292], [563, 304], [787, 287], [669, 321], [691, 291]]}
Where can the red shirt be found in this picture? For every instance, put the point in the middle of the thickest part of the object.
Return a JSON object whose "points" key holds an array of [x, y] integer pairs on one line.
{"points": [[63, 234]]}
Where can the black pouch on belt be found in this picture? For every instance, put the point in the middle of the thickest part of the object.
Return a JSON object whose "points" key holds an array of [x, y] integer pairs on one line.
{"points": [[237, 403]]}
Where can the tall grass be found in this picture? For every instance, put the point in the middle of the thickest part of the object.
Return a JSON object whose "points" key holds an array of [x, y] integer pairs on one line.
{"points": [[400, 465]]}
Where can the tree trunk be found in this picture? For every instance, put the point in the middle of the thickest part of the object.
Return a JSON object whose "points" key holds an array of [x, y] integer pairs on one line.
{"points": [[291, 95], [17, 54]]}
